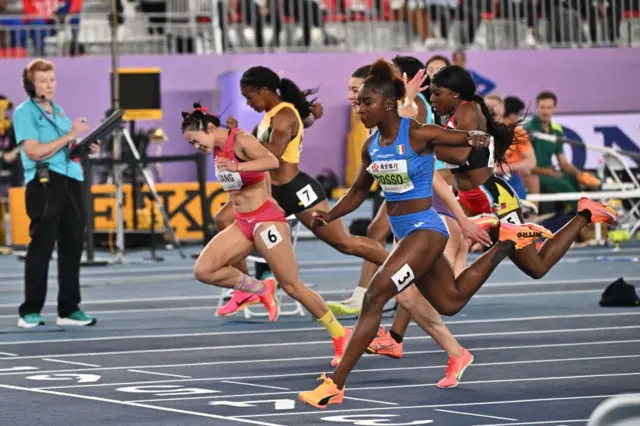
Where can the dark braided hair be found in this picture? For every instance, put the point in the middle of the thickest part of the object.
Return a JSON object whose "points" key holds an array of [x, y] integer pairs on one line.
{"points": [[458, 80], [259, 77], [198, 119]]}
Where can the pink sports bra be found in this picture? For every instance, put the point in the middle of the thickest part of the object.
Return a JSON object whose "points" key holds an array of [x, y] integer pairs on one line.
{"points": [[234, 181]]}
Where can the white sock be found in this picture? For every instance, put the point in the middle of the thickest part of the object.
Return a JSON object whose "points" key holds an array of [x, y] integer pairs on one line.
{"points": [[358, 293]]}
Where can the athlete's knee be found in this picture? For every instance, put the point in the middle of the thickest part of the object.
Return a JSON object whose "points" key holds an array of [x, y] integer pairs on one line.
{"points": [[205, 272], [407, 299], [537, 272]]}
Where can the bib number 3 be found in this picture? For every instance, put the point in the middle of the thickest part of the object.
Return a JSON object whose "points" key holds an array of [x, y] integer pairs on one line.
{"points": [[271, 236], [307, 196], [404, 277]]}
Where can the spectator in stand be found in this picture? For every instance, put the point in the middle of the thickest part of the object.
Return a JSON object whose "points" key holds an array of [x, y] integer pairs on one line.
{"points": [[552, 181], [520, 155], [484, 86]]}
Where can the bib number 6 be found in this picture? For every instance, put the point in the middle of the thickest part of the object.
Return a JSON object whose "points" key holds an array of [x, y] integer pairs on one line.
{"points": [[271, 236]]}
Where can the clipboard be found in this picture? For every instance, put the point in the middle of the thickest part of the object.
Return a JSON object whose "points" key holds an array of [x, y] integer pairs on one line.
{"points": [[102, 131]]}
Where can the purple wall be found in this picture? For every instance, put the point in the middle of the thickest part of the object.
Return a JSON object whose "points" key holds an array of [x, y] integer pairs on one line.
{"points": [[585, 80]]}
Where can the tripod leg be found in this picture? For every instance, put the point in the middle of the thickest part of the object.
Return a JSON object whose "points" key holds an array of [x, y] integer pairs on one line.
{"points": [[152, 189]]}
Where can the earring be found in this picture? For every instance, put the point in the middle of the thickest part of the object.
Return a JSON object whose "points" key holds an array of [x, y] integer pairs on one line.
{"points": [[455, 96]]}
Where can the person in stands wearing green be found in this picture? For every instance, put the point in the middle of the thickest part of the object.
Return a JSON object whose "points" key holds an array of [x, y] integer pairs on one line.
{"points": [[53, 197], [552, 181]]}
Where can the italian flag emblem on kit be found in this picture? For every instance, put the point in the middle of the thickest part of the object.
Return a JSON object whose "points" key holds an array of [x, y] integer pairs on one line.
{"points": [[400, 149]]}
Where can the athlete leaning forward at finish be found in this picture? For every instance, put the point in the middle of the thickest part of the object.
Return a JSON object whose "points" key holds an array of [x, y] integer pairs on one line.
{"points": [[400, 156], [391, 343], [260, 224]]}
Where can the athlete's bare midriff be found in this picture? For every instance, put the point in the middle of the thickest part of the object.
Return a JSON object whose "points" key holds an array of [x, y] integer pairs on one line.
{"points": [[250, 198]]}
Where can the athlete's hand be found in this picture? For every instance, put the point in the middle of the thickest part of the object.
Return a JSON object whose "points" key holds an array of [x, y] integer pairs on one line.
{"points": [[225, 164], [473, 232], [232, 123], [413, 87], [317, 110], [478, 139], [319, 218]]}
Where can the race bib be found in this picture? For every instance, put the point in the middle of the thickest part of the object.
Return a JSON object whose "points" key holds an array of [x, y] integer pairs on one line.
{"points": [[392, 175], [230, 181]]}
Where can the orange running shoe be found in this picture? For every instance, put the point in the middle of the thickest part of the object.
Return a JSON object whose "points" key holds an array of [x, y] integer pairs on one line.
{"points": [[485, 221], [385, 345], [339, 346], [599, 212], [455, 370], [523, 235], [325, 394], [268, 299], [239, 301]]}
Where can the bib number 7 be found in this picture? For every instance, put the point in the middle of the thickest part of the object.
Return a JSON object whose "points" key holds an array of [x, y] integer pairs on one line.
{"points": [[307, 196]]}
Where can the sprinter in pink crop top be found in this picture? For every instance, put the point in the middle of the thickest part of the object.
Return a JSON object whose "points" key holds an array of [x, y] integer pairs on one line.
{"points": [[260, 224]]}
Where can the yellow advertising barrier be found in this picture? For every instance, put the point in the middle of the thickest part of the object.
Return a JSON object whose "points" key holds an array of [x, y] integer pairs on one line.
{"points": [[181, 200]]}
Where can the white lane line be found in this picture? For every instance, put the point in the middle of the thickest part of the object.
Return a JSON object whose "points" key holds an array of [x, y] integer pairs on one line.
{"points": [[547, 422], [323, 342], [262, 330], [375, 401], [160, 374], [326, 357], [8, 354], [363, 370], [475, 415], [460, 404], [69, 362], [139, 405], [253, 384]]}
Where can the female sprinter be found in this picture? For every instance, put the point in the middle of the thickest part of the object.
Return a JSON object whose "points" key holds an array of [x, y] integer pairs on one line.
{"points": [[479, 190], [241, 162], [400, 157], [281, 132], [411, 304]]}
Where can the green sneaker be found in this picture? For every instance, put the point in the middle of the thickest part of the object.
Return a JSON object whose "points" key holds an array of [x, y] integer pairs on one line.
{"points": [[77, 318], [30, 321]]}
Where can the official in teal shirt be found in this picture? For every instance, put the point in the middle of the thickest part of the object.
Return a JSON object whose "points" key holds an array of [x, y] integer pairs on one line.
{"points": [[54, 198], [31, 121]]}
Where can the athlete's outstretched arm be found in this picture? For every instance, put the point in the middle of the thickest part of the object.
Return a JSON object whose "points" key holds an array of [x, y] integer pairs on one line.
{"points": [[469, 229], [356, 194]]}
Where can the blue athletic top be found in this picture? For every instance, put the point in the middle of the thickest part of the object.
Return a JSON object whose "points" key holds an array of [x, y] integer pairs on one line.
{"points": [[401, 173]]}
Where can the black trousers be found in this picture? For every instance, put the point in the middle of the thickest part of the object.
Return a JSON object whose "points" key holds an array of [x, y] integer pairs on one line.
{"points": [[56, 211]]}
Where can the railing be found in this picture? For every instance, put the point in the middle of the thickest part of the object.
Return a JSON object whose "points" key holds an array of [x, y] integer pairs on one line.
{"points": [[206, 26]]}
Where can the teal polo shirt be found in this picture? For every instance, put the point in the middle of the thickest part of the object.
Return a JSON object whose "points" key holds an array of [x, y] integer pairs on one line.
{"points": [[31, 121]]}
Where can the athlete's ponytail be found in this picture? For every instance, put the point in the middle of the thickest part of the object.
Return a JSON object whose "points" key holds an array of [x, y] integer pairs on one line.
{"points": [[384, 77], [258, 77]]}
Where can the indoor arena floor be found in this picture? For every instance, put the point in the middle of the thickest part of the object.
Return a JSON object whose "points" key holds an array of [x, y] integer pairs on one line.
{"points": [[545, 352]]}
